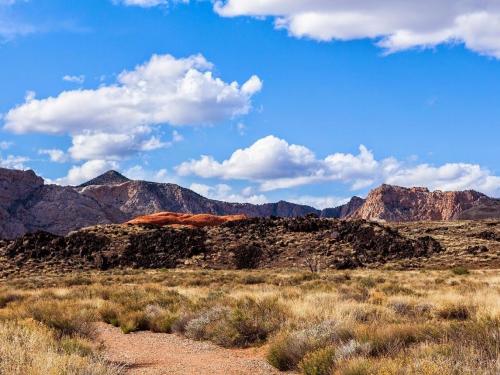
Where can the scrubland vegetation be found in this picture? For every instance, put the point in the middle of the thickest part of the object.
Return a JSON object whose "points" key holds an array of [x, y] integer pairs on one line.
{"points": [[334, 323]]}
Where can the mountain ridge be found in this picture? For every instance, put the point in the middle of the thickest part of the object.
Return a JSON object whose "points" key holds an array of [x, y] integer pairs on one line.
{"points": [[27, 204]]}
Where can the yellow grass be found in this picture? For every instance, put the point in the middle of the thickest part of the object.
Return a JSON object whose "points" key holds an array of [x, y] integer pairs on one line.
{"points": [[337, 322]]}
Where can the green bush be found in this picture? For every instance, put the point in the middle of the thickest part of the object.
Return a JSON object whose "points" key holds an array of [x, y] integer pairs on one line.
{"points": [[460, 270], [318, 362], [456, 311], [133, 321], [288, 348]]}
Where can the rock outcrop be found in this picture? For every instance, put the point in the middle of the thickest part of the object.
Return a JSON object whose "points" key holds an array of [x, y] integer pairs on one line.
{"points": [[395, 203], [195, 221], [247, 243]]}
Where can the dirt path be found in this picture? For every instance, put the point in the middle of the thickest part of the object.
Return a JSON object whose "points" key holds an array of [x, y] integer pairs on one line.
{"points": [[148, 353]]}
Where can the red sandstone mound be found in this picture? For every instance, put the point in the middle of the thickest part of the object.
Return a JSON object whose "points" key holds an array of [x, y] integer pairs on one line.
{"points": [[173, 218]]}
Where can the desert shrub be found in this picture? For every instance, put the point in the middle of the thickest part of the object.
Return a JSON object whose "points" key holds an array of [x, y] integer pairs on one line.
{"points": [[213, 325], [253, 279], [318, 362], [368, 282], [460, 270], [32, 348], [159, 320], [6, 298], [365, 313], [355, 366], [377, 298], [109, 314], [393, 289], [411, 308], [65, 317], [288, 348], [77, 345], [351, 348], [249, 321], [456, 311], [247, 256], [132, 321], [390, 339], [180, 324], [483, 336], [255, 320]]}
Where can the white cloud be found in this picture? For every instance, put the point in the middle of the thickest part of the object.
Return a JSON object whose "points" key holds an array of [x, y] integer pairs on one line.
{"points": [[163, 90], [241, 128], [87, 171], [14, 162], [55, 155], [268, 158], [319, 202], [116, 146], [275, 164], [450, 176], [10, 26], [117, 120], [223, 192], [394, 25], [4, 145], [74, 79], [138, 172], [141, 3]]}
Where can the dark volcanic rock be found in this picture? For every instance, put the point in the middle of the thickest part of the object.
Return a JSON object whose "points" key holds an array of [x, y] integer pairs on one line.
{"points": [[250, 243]]}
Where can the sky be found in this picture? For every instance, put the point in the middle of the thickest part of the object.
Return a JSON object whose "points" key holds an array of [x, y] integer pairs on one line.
{"points": [[254, 101]]}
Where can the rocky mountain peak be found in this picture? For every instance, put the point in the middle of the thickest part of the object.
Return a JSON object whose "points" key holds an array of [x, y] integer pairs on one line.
{"points": [[110, 177], [397, 203]]}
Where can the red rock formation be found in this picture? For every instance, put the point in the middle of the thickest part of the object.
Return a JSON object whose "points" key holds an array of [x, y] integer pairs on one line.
{"points": [[174, 218], [395, 203]]}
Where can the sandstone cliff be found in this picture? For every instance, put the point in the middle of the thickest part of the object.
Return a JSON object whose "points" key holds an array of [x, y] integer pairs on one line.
{"points": [[395, 203]]}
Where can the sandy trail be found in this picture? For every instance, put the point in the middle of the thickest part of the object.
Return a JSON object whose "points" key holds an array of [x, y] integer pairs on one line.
{"points": [[149, 353]]}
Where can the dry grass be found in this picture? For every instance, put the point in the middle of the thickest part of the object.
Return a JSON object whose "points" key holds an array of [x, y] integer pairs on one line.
{"points": [[337, 322]]}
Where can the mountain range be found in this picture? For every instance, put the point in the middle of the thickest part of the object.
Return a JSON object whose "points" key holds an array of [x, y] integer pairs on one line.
{"points": [[27, 204]]}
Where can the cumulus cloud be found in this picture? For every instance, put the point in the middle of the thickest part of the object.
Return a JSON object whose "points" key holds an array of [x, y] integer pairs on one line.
{"points": [[14, 162], [117, 120], [87, 171], [55, 155], [74, 79], [450, 176], [138, 172], [163, 90], [319, 202], [223, 192], [393, 25], [275, 164]]}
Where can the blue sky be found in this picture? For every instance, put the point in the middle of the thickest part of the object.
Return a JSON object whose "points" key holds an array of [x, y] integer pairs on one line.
{"points": [[305, 101]]}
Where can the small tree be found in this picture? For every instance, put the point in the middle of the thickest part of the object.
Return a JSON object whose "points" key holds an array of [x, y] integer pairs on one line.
{"points": [[313, 262]]}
